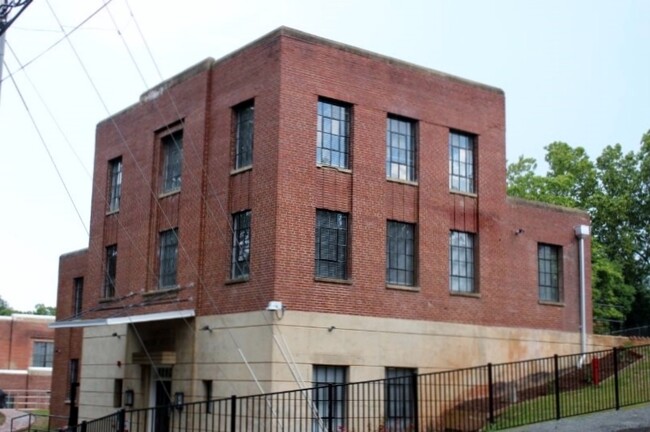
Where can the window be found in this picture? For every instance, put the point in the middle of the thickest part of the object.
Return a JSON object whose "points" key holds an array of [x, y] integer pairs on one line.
{"points": [[73, 378], [461, 162], [168, 258], [172, 148], [241, 245], [400, 253], [330, 382], [461, 262], [117, 393], [110, 269], [548, 259], [77, 299], [207, 390], [244, 119], [115, 182], [401, 398], [42, 354], [333, 134], [331, 244], [400, 149]]}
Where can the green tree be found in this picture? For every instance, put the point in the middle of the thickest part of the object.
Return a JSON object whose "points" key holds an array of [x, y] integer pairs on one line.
{"points": [[41, 309], [4, 308]]}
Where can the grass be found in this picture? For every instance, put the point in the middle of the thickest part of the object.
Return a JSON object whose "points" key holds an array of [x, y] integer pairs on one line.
{"points": [[2, 418], [634, 388]]}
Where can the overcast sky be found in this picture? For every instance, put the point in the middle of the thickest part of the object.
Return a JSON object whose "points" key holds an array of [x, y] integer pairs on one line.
{"points": [[573, 71]]}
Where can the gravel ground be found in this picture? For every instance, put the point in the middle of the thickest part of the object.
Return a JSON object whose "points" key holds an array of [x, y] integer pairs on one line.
{"points": [[633, 419]]}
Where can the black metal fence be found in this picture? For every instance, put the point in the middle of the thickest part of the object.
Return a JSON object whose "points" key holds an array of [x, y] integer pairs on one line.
{"points": [[495, 396]]}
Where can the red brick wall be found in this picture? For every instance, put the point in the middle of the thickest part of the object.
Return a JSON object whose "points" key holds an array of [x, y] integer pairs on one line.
{"points": [[284, 74], [68, 342], [17, 335]]}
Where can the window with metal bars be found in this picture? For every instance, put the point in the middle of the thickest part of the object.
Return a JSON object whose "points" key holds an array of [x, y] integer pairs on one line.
{"points": [[77, 298], [400, 149], [110, 270], [461, 162], [331, 244], [172, 149], [241, 245], [333, 134], [244, 122], [400, 253], [461, 262], [168, 258], [115, 184], [42, 354], [329, 392], [401, 398], [549, 272]]}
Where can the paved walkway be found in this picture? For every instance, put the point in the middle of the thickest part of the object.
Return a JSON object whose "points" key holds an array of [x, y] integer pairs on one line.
{"points": [[18, 424], [633, 419]]}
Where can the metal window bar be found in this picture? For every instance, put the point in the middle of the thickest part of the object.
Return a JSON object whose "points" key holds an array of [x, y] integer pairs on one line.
{"points": [[333, 134], [244, 119], [461, 162], [400, 149], [461, 262], [168, 258], [241, 245], [110, 271], [172, 147], [549, 272], [400, 253], [115, 193], [331, 244]]}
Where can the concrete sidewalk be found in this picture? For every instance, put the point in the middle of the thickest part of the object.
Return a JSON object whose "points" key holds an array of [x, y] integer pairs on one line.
{"points": [[19, 424], [632, 419]]}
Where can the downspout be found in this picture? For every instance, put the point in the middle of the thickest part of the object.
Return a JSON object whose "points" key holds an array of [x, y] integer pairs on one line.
{"points": [[581, 232]]}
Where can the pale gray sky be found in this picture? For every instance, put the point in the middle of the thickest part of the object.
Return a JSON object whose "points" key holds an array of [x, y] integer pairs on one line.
{"points": [[575, 71]]}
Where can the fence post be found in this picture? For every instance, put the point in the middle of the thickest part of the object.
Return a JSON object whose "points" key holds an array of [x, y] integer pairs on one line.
{"points": [[617, 395], [233, 412], [490, 393], [556, 366], [84, 426], [415, 399]]}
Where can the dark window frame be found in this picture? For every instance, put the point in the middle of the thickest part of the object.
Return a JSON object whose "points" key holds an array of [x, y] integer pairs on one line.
{"points": [[401, 398], [462, 162], [333, 131], [42, 353], [331, 245], [168, 258], [401, 148], [244, 134], [401, 253], [549, 272], [462, 262], [110, 271], [172, 162], [241, 245], [77, 296], [115, 168], [322, 377]]}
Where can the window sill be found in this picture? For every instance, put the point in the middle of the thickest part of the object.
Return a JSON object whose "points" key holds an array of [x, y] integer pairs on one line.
{"points": [[335, 168], [467, 194], [550, 303], [236, 171], [409, 288], [169, 193], [400, 181], [465, 294], [112, 212], [107, 299], [237, 280], [332, 280], [162, 291]]}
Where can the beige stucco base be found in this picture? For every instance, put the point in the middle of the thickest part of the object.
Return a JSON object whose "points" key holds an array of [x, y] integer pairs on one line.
{"points": [[259, 352]]}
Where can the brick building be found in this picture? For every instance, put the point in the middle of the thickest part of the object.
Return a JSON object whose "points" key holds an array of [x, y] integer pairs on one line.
{"points": [[302, 209], [26, 356]]}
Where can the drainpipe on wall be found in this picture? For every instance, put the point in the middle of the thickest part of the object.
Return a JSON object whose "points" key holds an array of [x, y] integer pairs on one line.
{"points": [[581, 232]]}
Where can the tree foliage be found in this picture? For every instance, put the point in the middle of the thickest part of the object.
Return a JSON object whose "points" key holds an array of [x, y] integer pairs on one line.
{"points": [[615, 190]]}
